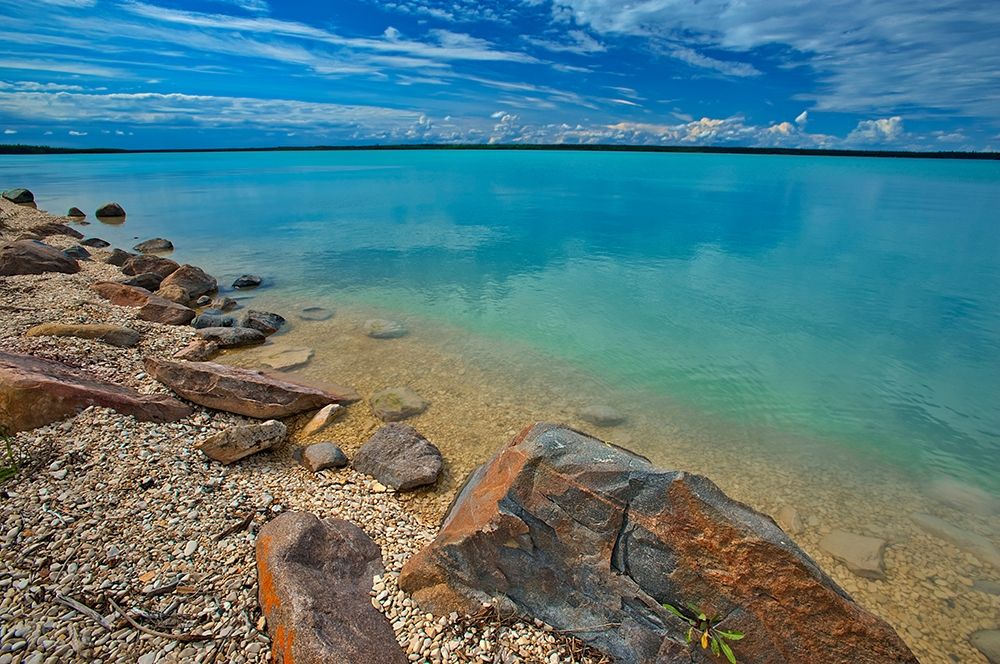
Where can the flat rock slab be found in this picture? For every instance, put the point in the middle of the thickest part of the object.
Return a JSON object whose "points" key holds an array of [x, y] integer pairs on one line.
{"points": [[987, 641], [314, 578], [963, 540], [379, 328], [581, 534], [315, 313], [863, 555], [238, 442], [789, 520], [232, 337], [35, 392], [34, 257], [114, 335], [397, 403], [243, 391], [399, 457], [151, 307], [320, 456], [322, 419], [602, 416], [287, 358]]}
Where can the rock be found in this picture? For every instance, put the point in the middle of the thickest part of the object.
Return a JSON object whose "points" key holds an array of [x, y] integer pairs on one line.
{"points": [[193, 280], [203, 301], [316, 313], [602, 416], [564, 528], [118, 257], [110, 210], [151, 307], [320, 456], [286, 359], [28, 236], [75, 212], [35, 392], [95, 242], [314, 577], [232, 337], [198, 350], [986, 586], [174, 293], [224, 303], [861, 554], [114, 335], [242, 391], [77, 252], [55, 228], [378, 328], [397, 403], [987, 641], [204, 320], [19, 196], [321, 420], [147, 263], [963, 540], [399, 457], [262, 321], [33, 257], [964, 497], [247, 281], [147, 281], [789, 520], [153, 246], [238, 442]]}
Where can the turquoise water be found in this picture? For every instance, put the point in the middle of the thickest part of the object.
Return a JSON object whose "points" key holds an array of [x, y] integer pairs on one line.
{"points": [[856, 301]]}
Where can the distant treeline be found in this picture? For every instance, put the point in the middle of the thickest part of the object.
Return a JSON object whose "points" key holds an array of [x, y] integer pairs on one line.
{"points": [[688, 149]]}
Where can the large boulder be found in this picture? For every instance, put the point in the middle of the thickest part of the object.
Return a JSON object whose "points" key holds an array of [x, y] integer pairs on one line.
{"points": [[55, 228], [593, 540], [241, 441], [262, 321], [232, 337], [193, 280], [399, 457], [242, 391], [163, 267], [118, 258], [151, 307], [314, 577], [19, 195], [147, 280], [114, 335], [157, 244], [76, 213], [33, 257], [36, 391], [110, 211]]}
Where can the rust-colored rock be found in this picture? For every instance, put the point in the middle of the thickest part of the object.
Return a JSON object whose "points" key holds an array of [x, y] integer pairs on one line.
{"points": [[243, 391], [592, 539], [151, 307], [36, 391], [144, 263], [34, 257], [314, 577]]}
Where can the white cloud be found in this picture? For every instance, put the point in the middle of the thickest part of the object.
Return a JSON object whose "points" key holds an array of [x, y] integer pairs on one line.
{"points": [[696, 59], [882, 130], [77, 133], [802, 118], [577, 41], [9, 132]]}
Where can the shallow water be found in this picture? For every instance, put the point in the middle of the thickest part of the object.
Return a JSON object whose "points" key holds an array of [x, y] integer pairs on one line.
{"points": [[816, 332]]}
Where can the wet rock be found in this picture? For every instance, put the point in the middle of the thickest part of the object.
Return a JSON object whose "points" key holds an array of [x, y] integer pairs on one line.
{"points": [[399, 457], [95, 242], [987, 641], [55, 228], [192, 280], [963, 540], [114, 335], [986, 586], [147, 281], [863, 555], [118, 258], [379, 328], [789, 520], [238, 442], [75, 212], [110, 211], [315, 313], [397, 403], [322, 419], [204, 320], [147, 263], [151, 307], [320, 456], [198, 350], [203, 301], [224, 303], [578, 533], [602, 416], [247, 281], [174, 293], [33, 257], [286, 358], [35, 392], [262, 321], [314, 578], [77, 252], [19, 195], [242, 391], [232, 337], [157, 244]]}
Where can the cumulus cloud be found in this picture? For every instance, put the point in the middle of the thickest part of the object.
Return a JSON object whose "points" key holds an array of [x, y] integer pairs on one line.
{"points": [[882, 130], [802, 118], [9, 132], [73, 132]]}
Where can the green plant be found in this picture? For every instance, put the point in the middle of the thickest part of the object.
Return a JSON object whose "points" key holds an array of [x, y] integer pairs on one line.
{"points": [[711, 636], [10, 468]]}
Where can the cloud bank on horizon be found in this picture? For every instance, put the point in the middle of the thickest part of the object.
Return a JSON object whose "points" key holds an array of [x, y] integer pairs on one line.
{"points": [[877, 74]]}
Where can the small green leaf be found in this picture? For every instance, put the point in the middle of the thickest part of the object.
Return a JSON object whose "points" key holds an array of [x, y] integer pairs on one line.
{"points": [[690, 634], [730, 634], [728, 652], [715, 646], [677, 612]]}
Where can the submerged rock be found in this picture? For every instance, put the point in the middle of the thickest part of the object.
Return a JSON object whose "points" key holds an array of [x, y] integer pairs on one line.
{"points": [[238, 442], [863, 555], [963, 540], [593, 539], [153, 246], [247, 281], [114, 335], [397, 403], [19, 195], [224, 303], [987, 641], [262, 321], [286, 359], [399, 457], [315, 313], [110, 211], [320, 456], [602, 416], [379, 328], [789, 520], [33, 257]]}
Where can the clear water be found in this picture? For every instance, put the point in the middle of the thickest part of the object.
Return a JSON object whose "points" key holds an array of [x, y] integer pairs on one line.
{"points": [[853, 301]]}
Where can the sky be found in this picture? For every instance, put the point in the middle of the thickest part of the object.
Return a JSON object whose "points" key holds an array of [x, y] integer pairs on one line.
{"points": [[864, 74]]}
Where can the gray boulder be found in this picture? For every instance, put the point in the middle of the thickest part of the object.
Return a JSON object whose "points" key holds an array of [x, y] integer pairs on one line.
{"points": [[76, 212], [397, 403], [213, 320], [163, 267], [262, 321], [77, 252], [118, 258], [247, 281], [232, 337], [147, 280], [110, 211], [153, 246], [192, 280], [224, 303], [33, 257], [399, 457], [19, 195]]}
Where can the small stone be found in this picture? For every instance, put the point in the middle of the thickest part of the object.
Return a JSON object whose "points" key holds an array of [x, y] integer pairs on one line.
{"points": [[190, 548], [320, 456], [238, 442], [224, 303], [148, 658], [77, 252], [247, 281], [322, 419], [399, 457], [203, 301], [75, 212]]}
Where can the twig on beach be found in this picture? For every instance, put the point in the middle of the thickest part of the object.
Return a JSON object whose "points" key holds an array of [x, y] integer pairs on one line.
{"points": [[83, 609], [183, 638], [237, 527], [162, 590]]}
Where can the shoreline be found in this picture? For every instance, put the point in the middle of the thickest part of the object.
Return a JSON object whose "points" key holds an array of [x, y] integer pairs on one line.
{"points": [[896, 600]]}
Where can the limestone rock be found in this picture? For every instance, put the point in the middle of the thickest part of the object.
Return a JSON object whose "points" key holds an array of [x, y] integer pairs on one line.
{"points": [[247, 281], [242, 391], [232, 337], [114, 335], [315, 313], [578, 533], [262, 321], [75, 212], [147, 263], [320, 456], [863, 555], [987, 641], [147, 281], [602, 416], [379, 328], [36, 391], [198, 350], [238, 442], [95, 242], [151, 307], [157, 244], [322, 419], [314, 577], [789, 520], [19, 195], [399, 457], [972, 543], [110, 211], [118, 258], [397, 403], [33, 257], [286, 358]]}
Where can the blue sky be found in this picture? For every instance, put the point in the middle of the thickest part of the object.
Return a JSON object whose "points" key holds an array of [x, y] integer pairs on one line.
{"points": [[885, 74]]}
